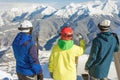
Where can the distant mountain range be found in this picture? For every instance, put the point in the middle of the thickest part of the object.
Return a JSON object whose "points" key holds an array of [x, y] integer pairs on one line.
{"points": [[47, 21]]}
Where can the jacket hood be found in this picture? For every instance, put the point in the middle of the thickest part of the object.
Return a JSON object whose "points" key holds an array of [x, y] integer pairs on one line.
{"points": [[105, 35], [21, 38], [65, 44]]}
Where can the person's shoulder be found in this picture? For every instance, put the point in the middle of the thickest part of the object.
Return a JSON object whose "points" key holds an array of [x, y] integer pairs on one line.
{"points": [[75, 46], [96, 39], [55, 46]]}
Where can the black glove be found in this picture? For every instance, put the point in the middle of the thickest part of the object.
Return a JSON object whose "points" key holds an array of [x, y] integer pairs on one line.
{"points": [[40, 76]]}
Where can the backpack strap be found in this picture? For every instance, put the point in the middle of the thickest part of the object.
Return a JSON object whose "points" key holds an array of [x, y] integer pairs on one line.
{"points": [[29, 43], [116, 37]]}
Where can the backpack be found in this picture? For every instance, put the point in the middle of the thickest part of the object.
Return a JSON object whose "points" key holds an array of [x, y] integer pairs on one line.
{"points": [[116, 37]]}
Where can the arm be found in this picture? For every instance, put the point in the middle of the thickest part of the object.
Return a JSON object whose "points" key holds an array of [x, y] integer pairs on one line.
{"points": [[117, 42], [92, 55], [80, 50], [36, 67], [82, 44], [81, 41]]}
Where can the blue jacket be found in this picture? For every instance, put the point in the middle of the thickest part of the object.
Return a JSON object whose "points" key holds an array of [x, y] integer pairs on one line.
{"points": [[103, 47], [26, 56]]}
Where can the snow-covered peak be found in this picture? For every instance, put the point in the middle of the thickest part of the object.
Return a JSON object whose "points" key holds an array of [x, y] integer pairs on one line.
{"points": [[68, 10], [10, 14], [41, 10], [65, 13], [110, 7], [48, 10], [37, 8], [93, 8], [73, 5], [107, 8], [29, 11]]}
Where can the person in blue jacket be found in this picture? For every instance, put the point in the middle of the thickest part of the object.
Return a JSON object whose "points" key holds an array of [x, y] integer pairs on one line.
{"points": [[25, 53], [101, 54]]}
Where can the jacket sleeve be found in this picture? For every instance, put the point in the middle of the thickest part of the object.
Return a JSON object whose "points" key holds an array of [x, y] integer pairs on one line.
{"points": [[117, 42], [50, 64], [117, 48], [79, 50], [36, 67], [92, 55]]}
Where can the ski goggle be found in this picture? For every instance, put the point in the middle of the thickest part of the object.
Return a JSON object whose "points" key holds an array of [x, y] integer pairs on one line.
{"points": [[68, 35], [20, 28]]}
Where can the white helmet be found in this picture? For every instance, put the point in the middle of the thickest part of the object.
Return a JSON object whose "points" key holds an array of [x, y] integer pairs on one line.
{"points": [[25, 26], [104, 25]]}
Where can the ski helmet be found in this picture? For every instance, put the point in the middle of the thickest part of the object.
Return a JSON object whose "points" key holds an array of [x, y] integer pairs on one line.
{"points": [[104, 25], [25, 26], [66, 33]]}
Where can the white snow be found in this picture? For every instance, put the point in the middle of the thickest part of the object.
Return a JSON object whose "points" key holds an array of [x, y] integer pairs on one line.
{"points": [[43, 57], [48, 10], [4, 75], [1, 21], [95, 8], [92, 8], [3, 48], [65, 13]]}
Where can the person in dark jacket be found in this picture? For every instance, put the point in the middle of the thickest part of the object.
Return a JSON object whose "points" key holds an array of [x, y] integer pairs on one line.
{"points": [[101, 54], [25, 53]]}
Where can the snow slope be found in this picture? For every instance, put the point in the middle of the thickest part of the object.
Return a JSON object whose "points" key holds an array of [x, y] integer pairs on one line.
{"points": [[44, 56], [5, 76]]}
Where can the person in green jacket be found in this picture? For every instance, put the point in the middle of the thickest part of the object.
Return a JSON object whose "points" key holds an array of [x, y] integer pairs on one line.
{"points": [[62, 61], [101, 54]]}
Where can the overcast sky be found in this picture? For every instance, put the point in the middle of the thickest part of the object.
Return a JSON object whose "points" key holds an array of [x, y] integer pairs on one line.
{"points": [[5, 4]]}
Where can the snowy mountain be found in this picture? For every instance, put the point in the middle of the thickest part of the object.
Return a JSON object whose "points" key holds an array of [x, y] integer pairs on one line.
{"points": [[47, 21], [1, 21], [94, 8]]}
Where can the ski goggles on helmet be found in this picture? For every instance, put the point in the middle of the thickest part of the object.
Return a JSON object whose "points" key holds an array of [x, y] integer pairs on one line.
{"points": [[68, 35]]}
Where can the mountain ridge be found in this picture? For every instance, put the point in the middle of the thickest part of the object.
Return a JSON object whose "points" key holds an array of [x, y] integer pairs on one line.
{"points": [[47, 21]]}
